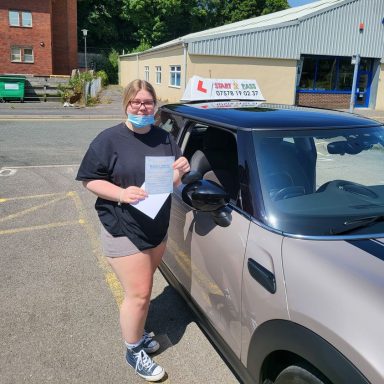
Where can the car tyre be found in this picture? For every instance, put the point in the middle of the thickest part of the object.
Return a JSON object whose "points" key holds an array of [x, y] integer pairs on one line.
{"points": [[297, 375]]}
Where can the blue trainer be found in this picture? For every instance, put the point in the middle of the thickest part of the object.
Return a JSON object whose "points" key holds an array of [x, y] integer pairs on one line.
{"points": [[150, 345], [143, 364]]}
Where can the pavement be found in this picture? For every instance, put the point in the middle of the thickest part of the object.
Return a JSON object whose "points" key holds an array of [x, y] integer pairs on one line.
{"points": [[110, 107], [59, 298], [369, 113]]}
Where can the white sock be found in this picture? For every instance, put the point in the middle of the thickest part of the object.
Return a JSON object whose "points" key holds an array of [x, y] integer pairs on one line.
{"points": [[130, 346]]}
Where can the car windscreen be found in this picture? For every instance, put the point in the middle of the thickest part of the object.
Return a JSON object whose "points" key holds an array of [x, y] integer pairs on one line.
{"points": [[324, 182]]}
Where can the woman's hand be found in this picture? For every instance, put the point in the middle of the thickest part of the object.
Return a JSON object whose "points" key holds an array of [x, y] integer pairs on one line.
{"points": [[132, 195], [107, 190], [180, 167]]}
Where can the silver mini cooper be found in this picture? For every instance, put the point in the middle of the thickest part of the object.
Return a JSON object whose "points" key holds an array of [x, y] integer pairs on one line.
{"points": [[277, 239]]}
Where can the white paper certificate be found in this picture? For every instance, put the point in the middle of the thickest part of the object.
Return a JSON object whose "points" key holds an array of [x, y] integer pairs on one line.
{"points": [[159, 174], [152, 204]]}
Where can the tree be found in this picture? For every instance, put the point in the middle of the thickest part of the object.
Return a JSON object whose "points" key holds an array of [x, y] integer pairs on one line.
{"points": [[274, 6], [157, 21], [107, 28], [139, 24], [238, 10]]}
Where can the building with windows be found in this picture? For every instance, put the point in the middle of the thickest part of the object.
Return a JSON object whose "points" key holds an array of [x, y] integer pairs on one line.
{"points": [[38, 37], [305, 55]]}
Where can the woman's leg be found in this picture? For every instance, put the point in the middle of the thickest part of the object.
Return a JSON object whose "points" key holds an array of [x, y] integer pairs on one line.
{"points": [[135, 273]]}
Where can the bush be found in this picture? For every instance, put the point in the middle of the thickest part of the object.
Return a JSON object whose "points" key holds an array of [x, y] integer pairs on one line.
{"points": [[143, 46], [91, 101], [72, 92], [104, 77], [112, 66]]}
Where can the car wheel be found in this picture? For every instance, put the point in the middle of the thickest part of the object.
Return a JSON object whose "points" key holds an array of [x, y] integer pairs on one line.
{"points": [[297, 375]]}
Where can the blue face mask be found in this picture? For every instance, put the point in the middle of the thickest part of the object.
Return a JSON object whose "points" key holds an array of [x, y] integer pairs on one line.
{"points": [[141, 121]]}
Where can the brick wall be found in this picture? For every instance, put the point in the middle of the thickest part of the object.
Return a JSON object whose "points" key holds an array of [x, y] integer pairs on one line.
{"points": [[53, 37], [323, 100], [40, 32], [64, 36]]}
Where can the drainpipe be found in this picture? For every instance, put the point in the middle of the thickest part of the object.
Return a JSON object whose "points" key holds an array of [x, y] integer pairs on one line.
{"points": [[356, 61], [138, 69], [185, 51]]}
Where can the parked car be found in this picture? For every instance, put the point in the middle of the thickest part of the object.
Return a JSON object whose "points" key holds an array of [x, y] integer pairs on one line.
{"points": [[276, 238]]}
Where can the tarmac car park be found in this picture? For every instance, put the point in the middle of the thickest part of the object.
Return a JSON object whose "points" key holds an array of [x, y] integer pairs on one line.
{"points": [[276, 238]]}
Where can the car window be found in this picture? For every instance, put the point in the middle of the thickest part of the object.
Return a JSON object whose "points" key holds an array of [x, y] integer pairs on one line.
{"points": [[322, 182], [213, 152], [170, 123]]}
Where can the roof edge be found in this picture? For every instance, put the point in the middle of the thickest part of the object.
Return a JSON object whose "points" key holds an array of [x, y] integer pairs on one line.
{"points": [[169, 44]]}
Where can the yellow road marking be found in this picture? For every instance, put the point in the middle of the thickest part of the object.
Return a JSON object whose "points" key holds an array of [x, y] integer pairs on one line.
{"points": [[37, 227], [32, 209], [2, 200], [110, 277]]}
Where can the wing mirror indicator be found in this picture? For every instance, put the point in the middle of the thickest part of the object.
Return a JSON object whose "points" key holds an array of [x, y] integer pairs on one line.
{"points": [[205, 195]]}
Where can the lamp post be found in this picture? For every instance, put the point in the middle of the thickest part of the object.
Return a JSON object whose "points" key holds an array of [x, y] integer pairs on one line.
{"points": [[356, 62], [85, 31]]}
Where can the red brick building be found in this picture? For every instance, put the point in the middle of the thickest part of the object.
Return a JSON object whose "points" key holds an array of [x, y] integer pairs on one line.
{"points": [[38, 37]]}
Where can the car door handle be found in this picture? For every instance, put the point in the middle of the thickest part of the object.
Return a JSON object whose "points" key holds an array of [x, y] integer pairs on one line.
{"points": [[262, 275]]}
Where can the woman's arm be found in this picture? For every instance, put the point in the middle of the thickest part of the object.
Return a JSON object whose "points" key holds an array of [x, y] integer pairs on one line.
{"points": [[109, 191]]}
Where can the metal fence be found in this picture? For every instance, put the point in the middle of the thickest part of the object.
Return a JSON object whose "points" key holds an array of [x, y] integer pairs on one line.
{"points": [[92, 88]]}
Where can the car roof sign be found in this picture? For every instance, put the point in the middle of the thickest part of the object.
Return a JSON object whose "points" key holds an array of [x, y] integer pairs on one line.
{"points": [[203, 89], [227, 104]]}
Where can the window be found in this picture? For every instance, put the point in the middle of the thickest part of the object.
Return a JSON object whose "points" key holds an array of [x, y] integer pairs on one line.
{"points": [[306, 176], [214, 152], [175, 75], [14, 19], [22, 55], [308, 73], [20, 19], [170, 123], [15, 54], [326, 74], [26, 19], [365, 64], [146, 73], [28, 55], [345, 75], [158, 75]]}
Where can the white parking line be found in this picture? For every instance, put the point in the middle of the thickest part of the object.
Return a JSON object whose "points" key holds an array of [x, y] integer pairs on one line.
{"points": [[41, 118]]}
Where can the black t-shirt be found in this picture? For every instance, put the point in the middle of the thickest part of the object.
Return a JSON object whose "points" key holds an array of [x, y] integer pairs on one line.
{"points": [[118, 155]]}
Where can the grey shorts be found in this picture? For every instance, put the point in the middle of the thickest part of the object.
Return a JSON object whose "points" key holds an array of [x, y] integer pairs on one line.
{"points": [[118, 246]]}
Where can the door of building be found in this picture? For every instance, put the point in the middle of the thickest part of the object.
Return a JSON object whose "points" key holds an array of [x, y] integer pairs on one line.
{"points": [[364, 79]]}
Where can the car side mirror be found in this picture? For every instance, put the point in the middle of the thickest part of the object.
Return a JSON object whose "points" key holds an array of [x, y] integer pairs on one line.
{"points": [[208, 196], [205, 195], [191, 177]]}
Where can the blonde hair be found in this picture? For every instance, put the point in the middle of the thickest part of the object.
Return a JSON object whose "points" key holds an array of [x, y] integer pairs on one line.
{"points": [[135, 86]]}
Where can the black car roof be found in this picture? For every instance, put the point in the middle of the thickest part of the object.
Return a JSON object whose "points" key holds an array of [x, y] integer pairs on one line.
{"points": [[268, 116]]}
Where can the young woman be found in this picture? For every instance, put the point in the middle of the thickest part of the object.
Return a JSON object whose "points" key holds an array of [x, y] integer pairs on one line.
{"points": [[113, 168]]}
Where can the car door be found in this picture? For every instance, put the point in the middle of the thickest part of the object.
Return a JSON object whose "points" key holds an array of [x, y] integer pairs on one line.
{"points": [[207, 258]]}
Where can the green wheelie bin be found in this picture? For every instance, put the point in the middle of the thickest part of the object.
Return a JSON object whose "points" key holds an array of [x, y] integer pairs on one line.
{"points": [[12, 87]]}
